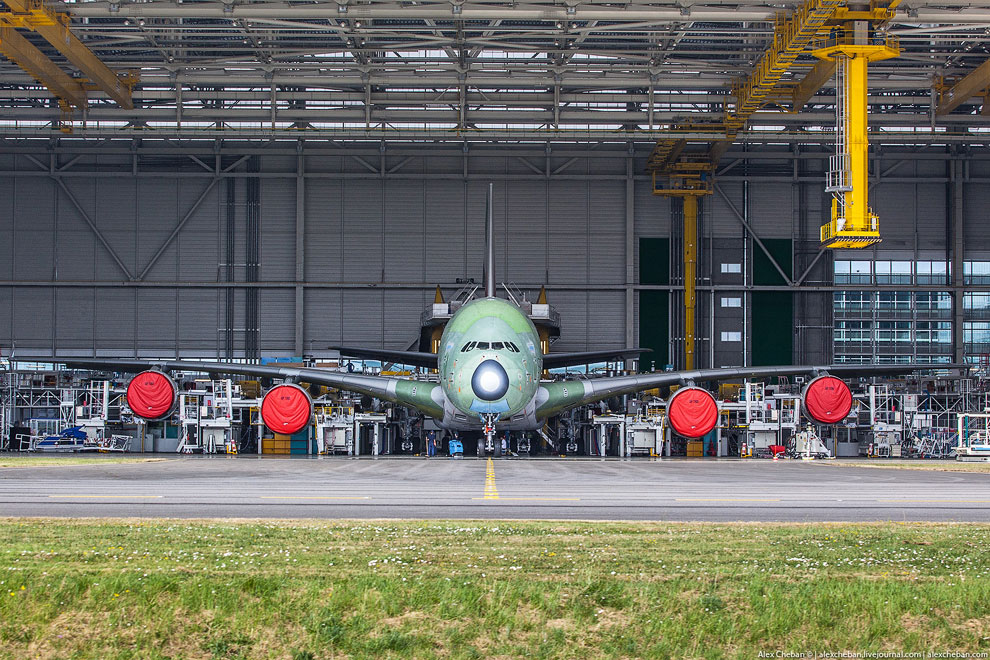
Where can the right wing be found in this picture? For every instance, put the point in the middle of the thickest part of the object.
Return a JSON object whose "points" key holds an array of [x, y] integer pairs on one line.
{"points": [[556, 360], [554, 398], [423, 396]]}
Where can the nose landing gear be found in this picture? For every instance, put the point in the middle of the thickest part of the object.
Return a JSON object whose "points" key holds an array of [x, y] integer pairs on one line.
{"points": [[491, 446]]}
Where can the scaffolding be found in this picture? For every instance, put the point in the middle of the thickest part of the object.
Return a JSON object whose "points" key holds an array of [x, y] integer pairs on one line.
{"points": [[205, 417]]}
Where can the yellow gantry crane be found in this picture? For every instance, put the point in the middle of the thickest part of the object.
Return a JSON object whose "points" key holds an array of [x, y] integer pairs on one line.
{"points": [[54, 27], [852, 47], [845, 41], [687, 179]]}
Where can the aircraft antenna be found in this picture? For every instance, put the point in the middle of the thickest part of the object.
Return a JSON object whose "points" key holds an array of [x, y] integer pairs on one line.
{"points": [[490, 245]]}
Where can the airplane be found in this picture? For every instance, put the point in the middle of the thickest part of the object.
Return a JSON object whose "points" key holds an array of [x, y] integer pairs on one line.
{"points": [[490, 365]]}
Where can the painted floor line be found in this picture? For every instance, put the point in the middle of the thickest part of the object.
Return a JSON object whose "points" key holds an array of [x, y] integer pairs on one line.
{"points": [[724, 499], [311, 497], [942, 501], [531, 499], [110, 497]]}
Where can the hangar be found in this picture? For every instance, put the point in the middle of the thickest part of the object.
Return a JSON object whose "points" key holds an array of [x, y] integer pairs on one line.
{"points": [[730, 185]]}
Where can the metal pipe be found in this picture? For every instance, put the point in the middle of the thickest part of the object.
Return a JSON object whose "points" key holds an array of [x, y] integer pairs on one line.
{"points": [[949, 16]]}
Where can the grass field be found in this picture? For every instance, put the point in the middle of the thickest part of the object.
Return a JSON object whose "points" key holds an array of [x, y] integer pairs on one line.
{"points": [[34, 460], [307, 590], [937, 466]]}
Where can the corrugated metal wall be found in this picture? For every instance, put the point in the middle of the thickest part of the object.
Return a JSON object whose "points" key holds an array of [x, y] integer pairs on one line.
{"points": [[376, 244]]}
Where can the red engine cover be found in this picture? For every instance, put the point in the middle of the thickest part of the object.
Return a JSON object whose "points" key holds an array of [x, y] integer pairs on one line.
{"points": [[692, 412], [286, 409], [827, 400], [151, 395]]}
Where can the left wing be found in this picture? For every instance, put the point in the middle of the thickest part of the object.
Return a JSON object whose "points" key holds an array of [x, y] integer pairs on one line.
{"points": [[554, 398], [423, 396], [411, 358]]}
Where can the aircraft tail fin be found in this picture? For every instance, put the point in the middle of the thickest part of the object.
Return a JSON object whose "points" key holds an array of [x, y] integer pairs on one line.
{"points": [[490, 245]]}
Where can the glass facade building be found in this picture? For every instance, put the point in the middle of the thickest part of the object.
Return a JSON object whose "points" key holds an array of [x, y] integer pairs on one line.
{"points": [[897, 326]]}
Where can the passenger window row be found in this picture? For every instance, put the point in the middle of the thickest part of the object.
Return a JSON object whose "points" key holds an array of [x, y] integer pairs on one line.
{"points": [[495, 346]]}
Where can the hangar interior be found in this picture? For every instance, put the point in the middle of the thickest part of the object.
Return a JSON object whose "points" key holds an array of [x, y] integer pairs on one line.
{"points": [[262, 181]]}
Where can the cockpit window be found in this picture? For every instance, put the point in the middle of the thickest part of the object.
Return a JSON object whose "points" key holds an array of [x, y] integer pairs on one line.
{"points": [[496, 345], [467, 347], [512, 347], [482, 345]]}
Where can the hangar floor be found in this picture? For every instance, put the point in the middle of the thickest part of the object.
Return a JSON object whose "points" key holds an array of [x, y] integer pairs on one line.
{"points": [[593, 489]]}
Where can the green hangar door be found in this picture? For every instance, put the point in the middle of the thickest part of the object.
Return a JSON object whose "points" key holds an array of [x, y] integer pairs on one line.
{"points": [[773, 311], [654, 333]]}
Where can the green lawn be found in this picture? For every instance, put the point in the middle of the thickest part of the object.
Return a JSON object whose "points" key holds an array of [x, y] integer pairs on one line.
{"points": [[465, 589], [34, 460]]}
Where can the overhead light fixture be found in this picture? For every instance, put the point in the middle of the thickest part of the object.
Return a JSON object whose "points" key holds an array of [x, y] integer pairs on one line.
{"points": [[685, 11], [357, 24], [456, 9], [228, 8], [141, 22], [571, 9], [114, 7], [341, 9]]}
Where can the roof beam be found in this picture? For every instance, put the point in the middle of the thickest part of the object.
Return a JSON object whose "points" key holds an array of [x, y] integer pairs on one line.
{"points": [[975, 82], [820, 74], [53, 26], [25, 55]]}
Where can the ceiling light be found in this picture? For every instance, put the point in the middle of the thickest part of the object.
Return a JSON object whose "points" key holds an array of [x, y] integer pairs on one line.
{"points": [[357, 24], [685, 11], [341, 9], [228, 8], [114, 7], [456, 9], [141, 22]]}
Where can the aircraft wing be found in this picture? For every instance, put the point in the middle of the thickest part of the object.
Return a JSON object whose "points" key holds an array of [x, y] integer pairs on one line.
{"points": [[424, 397], [553, 398], [555, 360], [411, 358]]}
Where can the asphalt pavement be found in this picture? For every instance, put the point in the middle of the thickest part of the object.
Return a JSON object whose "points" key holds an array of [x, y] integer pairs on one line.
{"points": [[589, 489]]}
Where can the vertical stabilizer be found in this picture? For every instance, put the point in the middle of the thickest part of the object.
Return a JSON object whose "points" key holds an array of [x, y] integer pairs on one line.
{"points": [[490, 245]]}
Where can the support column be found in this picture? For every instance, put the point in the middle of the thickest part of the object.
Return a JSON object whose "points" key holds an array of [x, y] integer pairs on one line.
{"points": [[300, 249], [630, 252], [690, 275], [956, 179]]}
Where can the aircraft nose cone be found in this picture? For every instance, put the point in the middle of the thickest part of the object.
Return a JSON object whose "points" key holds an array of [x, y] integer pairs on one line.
{"points": [[490, 382]]}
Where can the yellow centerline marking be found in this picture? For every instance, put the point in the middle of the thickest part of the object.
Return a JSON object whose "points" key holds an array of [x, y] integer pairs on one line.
{"points": [[491, 492], [313, 497], [724, 499], [111, 497]]}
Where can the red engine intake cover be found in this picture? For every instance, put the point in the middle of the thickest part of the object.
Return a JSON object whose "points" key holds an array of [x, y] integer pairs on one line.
{"points": [[286, 409], [692, 412], [151, 395], [827, 400]]}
